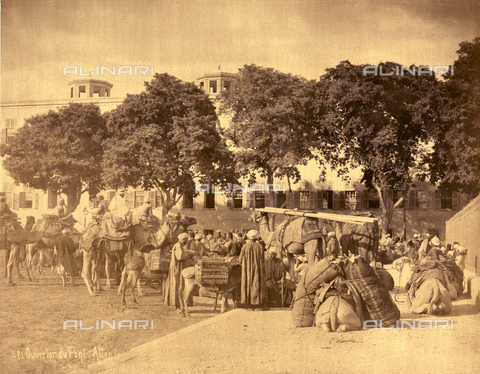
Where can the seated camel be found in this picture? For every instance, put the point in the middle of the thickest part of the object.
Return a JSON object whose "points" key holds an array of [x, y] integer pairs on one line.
{"points": [[337, 315], [338, 307], [431, 298], [427, 293]]}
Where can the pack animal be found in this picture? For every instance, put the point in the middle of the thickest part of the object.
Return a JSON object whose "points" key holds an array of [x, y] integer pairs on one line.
{"points": [[188, 284]]}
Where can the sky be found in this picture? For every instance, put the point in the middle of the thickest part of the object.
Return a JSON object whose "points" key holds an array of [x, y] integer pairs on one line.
{"points": [[188, 38]]}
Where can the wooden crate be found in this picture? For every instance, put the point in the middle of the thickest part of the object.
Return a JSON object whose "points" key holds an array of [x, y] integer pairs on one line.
{"points": [[211, 272]]}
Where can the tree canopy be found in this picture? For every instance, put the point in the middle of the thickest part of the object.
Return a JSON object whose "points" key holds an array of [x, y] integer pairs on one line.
{"points": [[455, 164], [166, 138], [60, 150], [269, 129], [380, 123]]}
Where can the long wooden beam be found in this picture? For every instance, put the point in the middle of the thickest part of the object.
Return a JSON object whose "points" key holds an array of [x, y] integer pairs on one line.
{"points": [[319, 215]]}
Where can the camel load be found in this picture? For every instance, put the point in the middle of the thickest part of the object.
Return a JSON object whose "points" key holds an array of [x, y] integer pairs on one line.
{"points": [[211, 272], [433, 286], [339, 249], [307, 232], [359, 295]]}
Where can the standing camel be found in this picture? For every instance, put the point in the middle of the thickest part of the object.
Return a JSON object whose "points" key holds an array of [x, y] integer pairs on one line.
{"points": [[52, 232], [17, 236], [28, 226], [294, 236]]}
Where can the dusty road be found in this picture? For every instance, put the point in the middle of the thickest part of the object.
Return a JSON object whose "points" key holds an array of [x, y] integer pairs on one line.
{"points": [[32, 316], [243, 341]]}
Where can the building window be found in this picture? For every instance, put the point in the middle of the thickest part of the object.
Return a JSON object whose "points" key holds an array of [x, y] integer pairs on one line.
{"points": [[209, 200], [226, 85], [8, 131], [107, 92], [188, 200], [96, 91], [327, 199], [29, 200], [373, 200], [351, 200], [446, 200], [281, 199], [421, 198], [82, 90], [10, 123], [304, 200], [259, 199], [238, 199], [202, 85], [213, 87], [139, 198], [71, 92], [397, 195], [26, 200]]}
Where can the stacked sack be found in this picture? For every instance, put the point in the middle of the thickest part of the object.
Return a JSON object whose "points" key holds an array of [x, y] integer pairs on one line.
{"points": [[312, 279], [377, 303]]}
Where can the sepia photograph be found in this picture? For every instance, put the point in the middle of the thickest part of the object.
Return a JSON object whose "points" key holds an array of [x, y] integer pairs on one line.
{"points": [[238, 186]]}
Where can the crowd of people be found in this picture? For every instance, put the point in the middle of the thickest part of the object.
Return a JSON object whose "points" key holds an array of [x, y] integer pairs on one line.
{"points": [[419, 247], [192, 246], [264, 277]]}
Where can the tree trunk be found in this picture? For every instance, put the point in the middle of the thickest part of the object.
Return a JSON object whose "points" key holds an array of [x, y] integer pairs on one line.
{"points": [[269, 179], [73, 199], [386, 204], [166, 201]]}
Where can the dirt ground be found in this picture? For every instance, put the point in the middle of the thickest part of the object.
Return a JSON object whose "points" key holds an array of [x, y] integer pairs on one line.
{"points": [[32, 316], [236, 342]]}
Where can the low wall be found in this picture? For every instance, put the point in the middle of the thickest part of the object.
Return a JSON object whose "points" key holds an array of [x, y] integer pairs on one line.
{"points": [[464, 227]]}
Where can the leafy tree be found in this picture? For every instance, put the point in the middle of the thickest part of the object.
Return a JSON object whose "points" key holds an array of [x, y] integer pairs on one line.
{"points": [[269, 129], [380, 123], [60, 151], [455, 164], [166, 138]]}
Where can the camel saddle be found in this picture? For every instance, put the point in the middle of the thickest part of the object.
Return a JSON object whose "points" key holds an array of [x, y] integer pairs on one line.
{"points": [[115, 228], [300, 231]]}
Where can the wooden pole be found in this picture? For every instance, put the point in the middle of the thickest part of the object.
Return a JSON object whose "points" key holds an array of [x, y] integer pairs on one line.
{"points": [[319, 215]]}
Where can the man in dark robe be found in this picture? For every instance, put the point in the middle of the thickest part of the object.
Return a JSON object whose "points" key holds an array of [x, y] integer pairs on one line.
{"points": [[180, 260], [254, 287], [64, 250]]}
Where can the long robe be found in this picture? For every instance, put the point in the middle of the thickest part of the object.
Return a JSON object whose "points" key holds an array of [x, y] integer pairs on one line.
{"points": [[65, 249], [177, 264], [254, 286], [333, 247]]}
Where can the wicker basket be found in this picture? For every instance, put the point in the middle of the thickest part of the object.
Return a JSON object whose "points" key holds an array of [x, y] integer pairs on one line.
{"points": [[157, 262], [211, 272]]}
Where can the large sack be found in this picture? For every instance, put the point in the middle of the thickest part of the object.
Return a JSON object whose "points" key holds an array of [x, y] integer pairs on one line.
{"points": [[386, 279], [303, 307], [311, 279], [378, 304]]}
